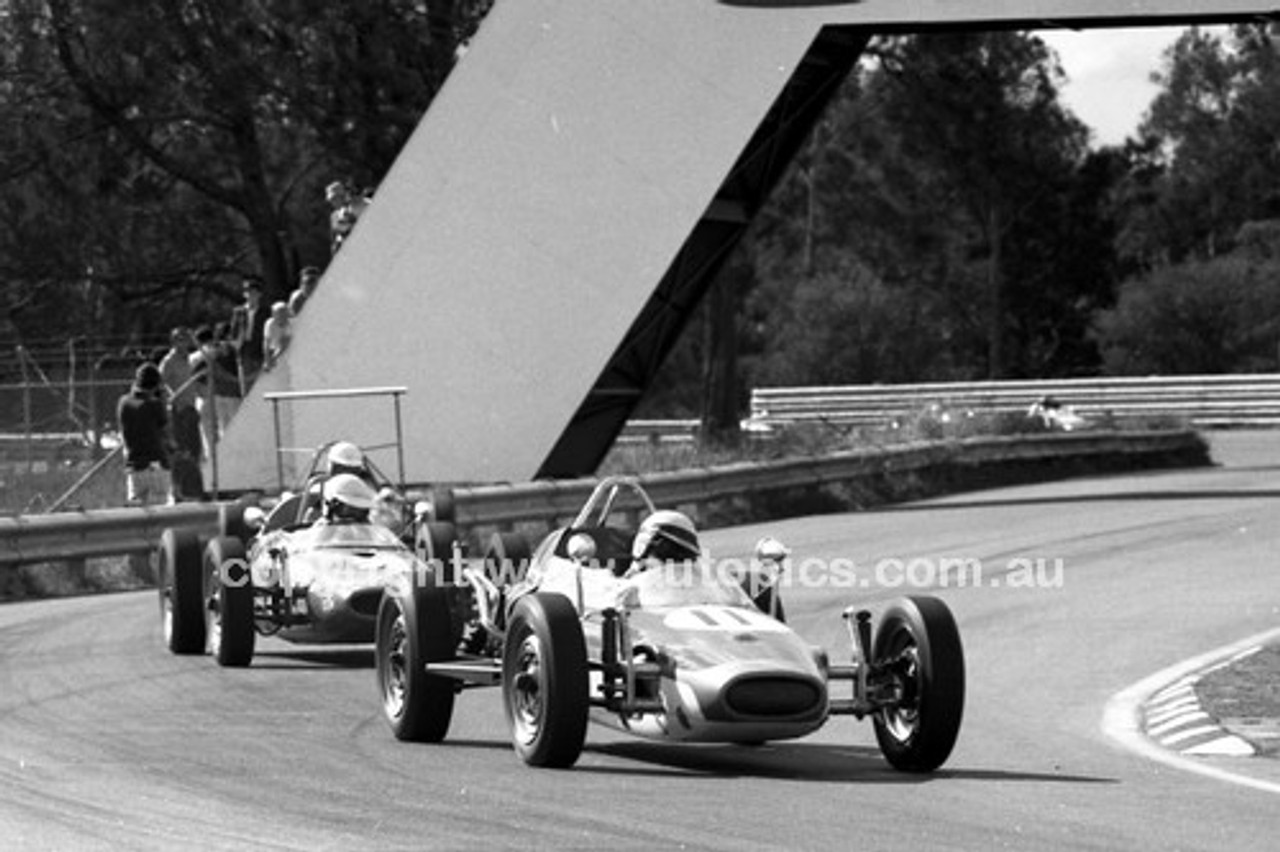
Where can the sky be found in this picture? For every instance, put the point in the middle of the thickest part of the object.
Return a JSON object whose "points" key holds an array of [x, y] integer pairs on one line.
{"points": [[1108, 86]]}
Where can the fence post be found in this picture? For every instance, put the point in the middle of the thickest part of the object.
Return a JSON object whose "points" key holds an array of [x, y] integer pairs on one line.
{"points": [[26, 408]]}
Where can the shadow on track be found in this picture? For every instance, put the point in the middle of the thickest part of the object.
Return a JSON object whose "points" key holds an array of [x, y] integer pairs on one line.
{"points": [[344, 658], [795, 762]]}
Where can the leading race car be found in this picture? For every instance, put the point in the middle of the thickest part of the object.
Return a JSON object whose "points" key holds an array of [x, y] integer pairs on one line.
{"points": [[626, 627], [312, 570]]}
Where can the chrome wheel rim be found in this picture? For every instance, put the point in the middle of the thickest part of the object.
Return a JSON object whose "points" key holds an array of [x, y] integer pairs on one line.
{"points": [[395, 671], [527, 688], [902, 720]]}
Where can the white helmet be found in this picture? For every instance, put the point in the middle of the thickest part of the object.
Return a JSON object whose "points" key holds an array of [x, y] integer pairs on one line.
{"points": [[666, 535], [347, 498], [345, 457]]}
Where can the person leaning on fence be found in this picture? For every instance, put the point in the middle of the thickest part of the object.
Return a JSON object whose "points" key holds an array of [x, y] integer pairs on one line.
{"points": [[345, 207], [276, 335], [144, 429], [308, 279]]}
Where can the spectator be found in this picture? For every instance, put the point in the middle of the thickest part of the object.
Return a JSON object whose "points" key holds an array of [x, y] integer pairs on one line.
{"points": [[216, 385], [144, 431], [183, 391], [308, 278], [276, 335], [345, 208], [247, 322]]}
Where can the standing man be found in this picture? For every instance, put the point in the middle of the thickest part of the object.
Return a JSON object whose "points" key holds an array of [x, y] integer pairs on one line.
{"points": [[247, 321], [183, 390], [308, 278], [144, 428], [345, 208]]}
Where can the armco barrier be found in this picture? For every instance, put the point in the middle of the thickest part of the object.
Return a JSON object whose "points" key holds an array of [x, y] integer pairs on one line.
{"points": [[101, 532], [1230, 400], [109, 532], [554, 501]]}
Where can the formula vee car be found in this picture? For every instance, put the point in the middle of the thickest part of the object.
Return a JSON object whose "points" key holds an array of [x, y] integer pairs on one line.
{"points": [[288, 572], [675, 652]]}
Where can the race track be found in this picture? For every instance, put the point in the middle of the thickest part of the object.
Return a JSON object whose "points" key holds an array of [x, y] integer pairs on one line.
{"points": [[107, 741]]}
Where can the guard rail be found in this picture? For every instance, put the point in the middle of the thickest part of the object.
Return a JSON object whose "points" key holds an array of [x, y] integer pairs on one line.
{"points": [[1203, 401], [110, 532], [556, 501]]}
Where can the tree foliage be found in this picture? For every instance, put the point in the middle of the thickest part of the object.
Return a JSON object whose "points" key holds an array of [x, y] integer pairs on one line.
{"points": [[166, 149], [946, 220]]}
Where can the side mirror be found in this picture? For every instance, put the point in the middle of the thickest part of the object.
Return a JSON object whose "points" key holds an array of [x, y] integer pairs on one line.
{"points": [[769, 549], [582, 548]]}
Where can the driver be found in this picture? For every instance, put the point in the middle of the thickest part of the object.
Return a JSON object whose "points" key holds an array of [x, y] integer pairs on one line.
{"points": [[347, 500], [342, 457], [664, 536]]}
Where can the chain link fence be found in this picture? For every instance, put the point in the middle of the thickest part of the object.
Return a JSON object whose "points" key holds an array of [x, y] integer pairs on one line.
{"points": [[58, 426]]}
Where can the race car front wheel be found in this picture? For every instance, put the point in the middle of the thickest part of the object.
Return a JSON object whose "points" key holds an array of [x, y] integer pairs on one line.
{"points": [[228, 603], [181, 617], [544, 680], [918, 647], [413, 630]]}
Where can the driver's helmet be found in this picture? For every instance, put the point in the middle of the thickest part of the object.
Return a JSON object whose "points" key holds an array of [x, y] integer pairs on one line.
{"points": [[666, 536], [345, 457], [348, 498]]}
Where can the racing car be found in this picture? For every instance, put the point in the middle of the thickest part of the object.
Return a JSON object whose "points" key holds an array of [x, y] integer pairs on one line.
{"points": [[676, 652], [293, 571]]}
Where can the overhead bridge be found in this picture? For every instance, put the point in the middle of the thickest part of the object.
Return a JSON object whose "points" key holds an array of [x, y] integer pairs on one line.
{"points": [[546, 232]]}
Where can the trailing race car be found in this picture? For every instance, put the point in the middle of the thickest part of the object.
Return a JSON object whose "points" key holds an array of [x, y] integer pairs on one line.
{"points": [[312, 570], [626, 627]]}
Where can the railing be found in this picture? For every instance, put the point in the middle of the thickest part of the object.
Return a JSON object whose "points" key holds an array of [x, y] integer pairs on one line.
{"points": [[552, 501], [108, 532], [1236, 400], [100, 532]]}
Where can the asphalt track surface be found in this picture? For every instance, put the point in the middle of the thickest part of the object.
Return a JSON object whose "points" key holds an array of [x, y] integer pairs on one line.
{"points": [[107, 741]]}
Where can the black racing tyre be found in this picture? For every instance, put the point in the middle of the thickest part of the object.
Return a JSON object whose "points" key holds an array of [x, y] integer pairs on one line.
{"points": [[544, 680], [229, 630], [918, 639], [231, 522], [506, 559], [443, 507], [414, 629], [433, 542], [181, 592]]}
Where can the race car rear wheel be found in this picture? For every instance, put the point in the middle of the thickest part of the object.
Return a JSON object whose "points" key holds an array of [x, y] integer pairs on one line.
{"points": [[181, 614], [433, 543], [443, 506], [506, 559], [918, 645], [544, 680], [413, 630], [228, 603]]}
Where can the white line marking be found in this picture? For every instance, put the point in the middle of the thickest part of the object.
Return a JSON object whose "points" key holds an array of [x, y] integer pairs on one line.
{"points": [[1176, 722], [1228, 746], [1122, 719], [1173, 739], [1168, 711]]}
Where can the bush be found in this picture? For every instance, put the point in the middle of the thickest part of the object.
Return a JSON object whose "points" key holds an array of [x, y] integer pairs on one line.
{"points": [[1221, 316]]}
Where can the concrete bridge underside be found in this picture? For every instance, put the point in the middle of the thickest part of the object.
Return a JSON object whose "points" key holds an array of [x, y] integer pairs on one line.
{"points": [[542, 239]]}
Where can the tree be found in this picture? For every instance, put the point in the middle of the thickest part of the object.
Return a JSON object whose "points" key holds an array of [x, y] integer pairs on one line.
{"points": [[1203, 317], [1209, 158], [189, 141], [983, 110]]}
